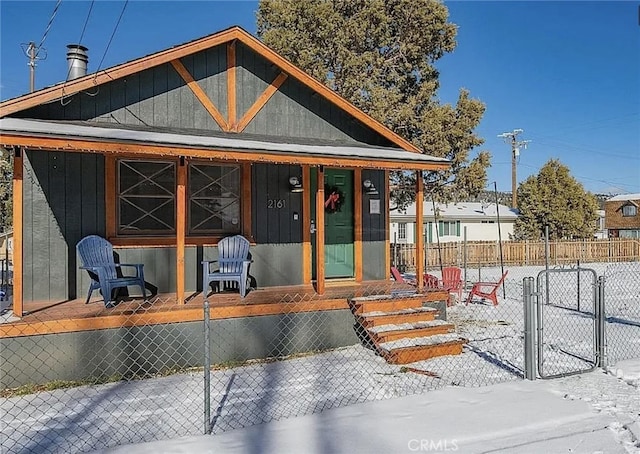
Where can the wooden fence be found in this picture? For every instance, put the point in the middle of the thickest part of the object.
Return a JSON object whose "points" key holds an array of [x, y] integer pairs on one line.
{"points": [[487, 253]]}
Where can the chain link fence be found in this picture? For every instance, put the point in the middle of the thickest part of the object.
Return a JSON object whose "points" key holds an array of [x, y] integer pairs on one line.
{"points": [[143, 371]]}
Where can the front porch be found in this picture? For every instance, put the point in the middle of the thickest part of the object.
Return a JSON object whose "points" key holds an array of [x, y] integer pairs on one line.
{"points": [[53, 317]]}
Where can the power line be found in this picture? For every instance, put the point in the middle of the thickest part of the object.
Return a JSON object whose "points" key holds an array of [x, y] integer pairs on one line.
{"points": [[512, 138], [112, 35], [46, 31]]}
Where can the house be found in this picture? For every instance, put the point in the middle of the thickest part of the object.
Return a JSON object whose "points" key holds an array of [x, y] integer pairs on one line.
{"points": [[622, 216], [6, 246], [167, 154], [479, 219], [601, 230]]}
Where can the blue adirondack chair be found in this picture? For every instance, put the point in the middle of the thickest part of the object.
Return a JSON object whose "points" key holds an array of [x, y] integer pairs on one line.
{"points": [[96, 255], [233, 265]]}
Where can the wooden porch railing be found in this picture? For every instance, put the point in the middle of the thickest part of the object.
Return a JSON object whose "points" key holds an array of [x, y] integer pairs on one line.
{"points": [[487, 253]]}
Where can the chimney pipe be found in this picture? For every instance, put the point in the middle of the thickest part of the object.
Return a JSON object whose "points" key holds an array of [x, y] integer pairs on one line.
{"points": [[77, 59]]}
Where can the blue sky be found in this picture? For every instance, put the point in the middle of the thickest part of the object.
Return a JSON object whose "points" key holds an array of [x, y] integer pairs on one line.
{"points": [[567, 73]]}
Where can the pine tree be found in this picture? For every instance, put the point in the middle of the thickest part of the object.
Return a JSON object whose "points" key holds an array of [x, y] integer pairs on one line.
{"points": [[555, 198], [380, 55]]}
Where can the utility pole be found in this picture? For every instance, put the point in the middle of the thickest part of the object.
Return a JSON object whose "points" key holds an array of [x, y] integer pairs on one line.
{"points": [[512, 138], [31, 53]]}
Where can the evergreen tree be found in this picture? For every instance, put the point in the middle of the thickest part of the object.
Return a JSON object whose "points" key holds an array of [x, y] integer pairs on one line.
{"points": [[555, 198], [380, 55], [6, 190]]}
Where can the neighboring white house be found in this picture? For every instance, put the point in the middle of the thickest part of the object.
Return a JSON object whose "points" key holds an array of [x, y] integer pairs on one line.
{"points": [[601, 230], [480, 220]]}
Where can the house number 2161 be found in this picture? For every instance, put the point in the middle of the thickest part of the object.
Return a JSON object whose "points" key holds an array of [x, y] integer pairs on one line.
{"points": [[276, 203]]}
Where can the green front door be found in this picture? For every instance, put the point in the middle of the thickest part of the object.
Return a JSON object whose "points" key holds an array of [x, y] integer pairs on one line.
{"points": [[338, 224]]}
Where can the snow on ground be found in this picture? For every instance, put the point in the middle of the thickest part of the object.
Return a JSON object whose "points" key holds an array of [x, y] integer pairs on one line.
{"points": [[594, 412], [311, 388]]}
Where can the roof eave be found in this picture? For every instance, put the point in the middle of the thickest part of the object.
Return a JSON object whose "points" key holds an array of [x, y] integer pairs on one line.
{"points": [[137, 147]]}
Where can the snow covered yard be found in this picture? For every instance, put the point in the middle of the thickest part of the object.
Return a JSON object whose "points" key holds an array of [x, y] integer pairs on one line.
{"points": [[596, 412], [92, 417]]}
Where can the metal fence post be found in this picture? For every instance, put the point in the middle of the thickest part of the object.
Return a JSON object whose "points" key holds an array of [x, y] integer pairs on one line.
{"points": [[529, 329], [207, 370], [601, 343]]}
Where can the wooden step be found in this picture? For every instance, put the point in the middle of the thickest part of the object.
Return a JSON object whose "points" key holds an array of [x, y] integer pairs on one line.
{"points": [[385, 303], [410, 315], [387, 333], [410, 350]]}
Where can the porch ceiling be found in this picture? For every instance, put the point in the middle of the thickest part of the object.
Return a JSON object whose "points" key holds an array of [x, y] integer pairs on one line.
{"points": [[87, 137]]}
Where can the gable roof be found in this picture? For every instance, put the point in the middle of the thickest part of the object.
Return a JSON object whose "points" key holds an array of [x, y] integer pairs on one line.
{"points": [[71, 87], [458, 211], [624, 198]]}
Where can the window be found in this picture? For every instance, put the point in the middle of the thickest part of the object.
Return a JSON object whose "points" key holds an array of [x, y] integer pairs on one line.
{"points": [[402, 231], [630, 234], [146, 198], [629, 210], [449, 228], [214, 199]]}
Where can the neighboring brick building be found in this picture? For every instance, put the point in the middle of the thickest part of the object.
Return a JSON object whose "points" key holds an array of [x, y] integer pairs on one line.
{"points": [[622, 216]]}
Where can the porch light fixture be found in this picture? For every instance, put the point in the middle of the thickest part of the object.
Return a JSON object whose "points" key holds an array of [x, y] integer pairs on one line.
{"points": [[295, 185], [369, 188]]}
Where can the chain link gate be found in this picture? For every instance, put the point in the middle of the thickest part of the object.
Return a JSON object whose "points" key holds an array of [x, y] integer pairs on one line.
{"points": [[568, 332], [622, 288]]}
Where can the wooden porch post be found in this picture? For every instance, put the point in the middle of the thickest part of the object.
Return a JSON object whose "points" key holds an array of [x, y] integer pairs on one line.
{"points": [[181, 223], [320, 231], [387, 228], [419, 231], [306, 225], [17, 231], [357, 210]]}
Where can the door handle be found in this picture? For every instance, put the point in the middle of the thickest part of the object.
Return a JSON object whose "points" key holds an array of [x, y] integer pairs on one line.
{"points": [[312, 229]]}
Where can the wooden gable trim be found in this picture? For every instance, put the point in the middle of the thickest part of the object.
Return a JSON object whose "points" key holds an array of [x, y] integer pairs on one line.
{"points": [[200, 94], [260, 48], [627, 203], [231, 85], [69, 88], [260, 102]]}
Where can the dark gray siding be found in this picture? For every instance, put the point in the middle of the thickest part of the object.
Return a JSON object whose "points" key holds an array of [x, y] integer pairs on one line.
{"points": [[63, 201], [162, 348], [374, 225], [373, 257], [294, 110], [158, 97], [274, 206]]}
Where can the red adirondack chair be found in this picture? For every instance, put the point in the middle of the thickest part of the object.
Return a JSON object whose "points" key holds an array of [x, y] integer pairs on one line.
{"points": [[452, 280], [487, 290]]}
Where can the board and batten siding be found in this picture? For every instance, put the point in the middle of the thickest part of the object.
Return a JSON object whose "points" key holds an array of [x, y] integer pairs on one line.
{"points": [[63, 202], [294, 110], [158, 97]]}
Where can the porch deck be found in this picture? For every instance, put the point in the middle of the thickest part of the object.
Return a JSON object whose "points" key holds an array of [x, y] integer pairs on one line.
{"points": [[51, 317]]}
